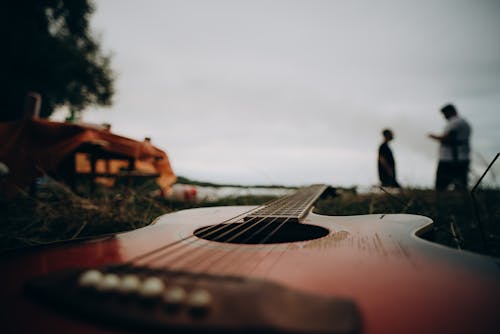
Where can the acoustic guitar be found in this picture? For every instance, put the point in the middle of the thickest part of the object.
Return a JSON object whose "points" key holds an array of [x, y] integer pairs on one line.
{"points": [[276, 268]]}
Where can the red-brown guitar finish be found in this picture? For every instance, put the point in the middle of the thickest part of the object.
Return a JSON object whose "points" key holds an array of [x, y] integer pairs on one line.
{"points": [[401, 283]]}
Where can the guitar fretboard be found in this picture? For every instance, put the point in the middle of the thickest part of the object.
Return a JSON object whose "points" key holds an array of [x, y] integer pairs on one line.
{"points": [[291, 208]]}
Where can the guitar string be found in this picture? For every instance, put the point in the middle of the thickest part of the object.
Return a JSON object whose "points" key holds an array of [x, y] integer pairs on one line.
{"points": [[251, 226], [231, 253], [221, 267], [244, 229], [262, 256], [191, 284], [266, 238], [211, 264], [217, 261], [247, 225], [202, 257], [188, 251], [244, 226], [276, 260], [269, 252], [194, 282], [253, 235], [210, 230]]}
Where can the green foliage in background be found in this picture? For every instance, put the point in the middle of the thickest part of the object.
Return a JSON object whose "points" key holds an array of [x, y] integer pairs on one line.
{"points": [[48, 48]]}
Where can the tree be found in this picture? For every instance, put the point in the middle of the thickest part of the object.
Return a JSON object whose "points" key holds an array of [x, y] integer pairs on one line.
{"points": [[50, 50]]}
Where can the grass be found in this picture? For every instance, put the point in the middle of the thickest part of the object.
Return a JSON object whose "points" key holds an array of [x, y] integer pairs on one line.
{"points": [[56, 213]]}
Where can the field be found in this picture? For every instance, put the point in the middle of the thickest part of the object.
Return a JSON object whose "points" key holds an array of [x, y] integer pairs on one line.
{"points": [[55, 213]]}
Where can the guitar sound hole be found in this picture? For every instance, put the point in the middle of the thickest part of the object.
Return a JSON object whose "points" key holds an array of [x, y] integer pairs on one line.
{"points": [[268, 233]]}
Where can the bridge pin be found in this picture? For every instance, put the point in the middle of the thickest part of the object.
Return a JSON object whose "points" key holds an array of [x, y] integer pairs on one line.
{"points": [[90, 278], [151, 287], [109, 282], [129, 284], [199, 300], [174, 296]]}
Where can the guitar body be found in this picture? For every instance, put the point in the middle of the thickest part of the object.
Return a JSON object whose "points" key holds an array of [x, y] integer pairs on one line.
{"points": [[399, 282]]}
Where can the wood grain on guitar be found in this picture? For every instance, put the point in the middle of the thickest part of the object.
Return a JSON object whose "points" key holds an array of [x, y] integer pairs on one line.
{"points": [[369, 274]]}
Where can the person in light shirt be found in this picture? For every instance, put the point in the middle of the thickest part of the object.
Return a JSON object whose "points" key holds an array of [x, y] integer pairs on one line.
{"points": [[454, 150]]}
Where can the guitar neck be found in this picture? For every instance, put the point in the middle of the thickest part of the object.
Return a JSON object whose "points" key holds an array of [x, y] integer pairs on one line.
{"points": [[292, 208]]}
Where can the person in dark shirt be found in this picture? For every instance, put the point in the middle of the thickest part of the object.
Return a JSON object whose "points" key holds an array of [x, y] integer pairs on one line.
{"points": [[386, 163]]}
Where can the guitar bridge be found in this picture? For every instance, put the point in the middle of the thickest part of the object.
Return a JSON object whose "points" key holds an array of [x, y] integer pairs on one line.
{"points": [[157, 300]]}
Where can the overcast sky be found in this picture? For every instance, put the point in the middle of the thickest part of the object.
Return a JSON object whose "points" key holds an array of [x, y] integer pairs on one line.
{"points": [[296, 92]]}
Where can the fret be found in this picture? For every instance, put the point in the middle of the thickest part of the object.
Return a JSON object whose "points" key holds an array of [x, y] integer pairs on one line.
{"points": [[291, 208]]}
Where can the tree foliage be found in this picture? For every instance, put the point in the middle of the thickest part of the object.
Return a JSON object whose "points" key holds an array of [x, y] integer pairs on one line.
{"points": [[50, 50]]}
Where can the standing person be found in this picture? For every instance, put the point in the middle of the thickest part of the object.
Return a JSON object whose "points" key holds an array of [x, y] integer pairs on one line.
{"points": [[454, 150], [386, 163]]}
